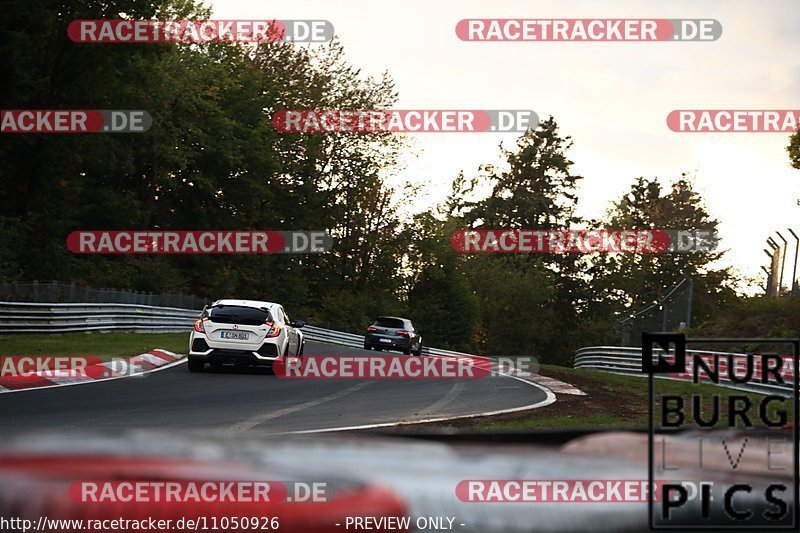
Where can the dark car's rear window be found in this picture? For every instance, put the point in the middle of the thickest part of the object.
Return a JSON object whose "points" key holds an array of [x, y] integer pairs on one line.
{"points": [[384, 322], [236, 314]]}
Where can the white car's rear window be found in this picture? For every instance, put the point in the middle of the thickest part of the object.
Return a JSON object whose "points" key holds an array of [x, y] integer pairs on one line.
{"points": [[236, 314]]}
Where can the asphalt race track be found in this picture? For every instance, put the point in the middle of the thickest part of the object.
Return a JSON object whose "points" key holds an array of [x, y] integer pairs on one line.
{"points": [[253, 401]]}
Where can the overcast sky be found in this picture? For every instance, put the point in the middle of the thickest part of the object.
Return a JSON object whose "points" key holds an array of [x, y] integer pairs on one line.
{"points": [[612, 98]]}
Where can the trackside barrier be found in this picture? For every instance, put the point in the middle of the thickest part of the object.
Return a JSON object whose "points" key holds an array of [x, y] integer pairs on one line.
{"points": [[25, 317], [18, 317], [357, 341], [625, 360]]}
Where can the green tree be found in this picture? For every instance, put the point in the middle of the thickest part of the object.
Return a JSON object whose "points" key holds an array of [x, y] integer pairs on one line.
{"points": [[636, 280], [535, 190], [212, 159], [338, 181], [441, 301], [530, 304], [794, 149]]}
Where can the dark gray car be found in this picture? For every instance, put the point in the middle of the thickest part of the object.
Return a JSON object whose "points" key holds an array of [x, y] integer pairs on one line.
{"points": [[393, 333]]}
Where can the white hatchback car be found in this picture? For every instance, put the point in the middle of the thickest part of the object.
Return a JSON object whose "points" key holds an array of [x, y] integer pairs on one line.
{"points": [[243, 332]]}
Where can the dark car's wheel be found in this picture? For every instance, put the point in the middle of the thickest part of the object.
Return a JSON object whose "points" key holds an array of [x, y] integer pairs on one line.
{"points": [[407, 351], [418, 352], [195, 365], [367, 346], [302, 347]]}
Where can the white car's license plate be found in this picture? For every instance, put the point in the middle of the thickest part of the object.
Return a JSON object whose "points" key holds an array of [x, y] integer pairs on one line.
{"points": [[385, 340], [238, 335]]}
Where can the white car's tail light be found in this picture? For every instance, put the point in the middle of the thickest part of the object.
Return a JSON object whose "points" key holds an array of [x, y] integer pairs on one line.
{"points": [[274, 329], [199, 327]]}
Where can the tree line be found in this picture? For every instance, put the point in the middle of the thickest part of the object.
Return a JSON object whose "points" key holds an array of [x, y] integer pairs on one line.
{"points": [[213, 160]]}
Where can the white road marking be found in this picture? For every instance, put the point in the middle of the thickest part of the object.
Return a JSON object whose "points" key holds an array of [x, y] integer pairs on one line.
{"points": [[250, 423], [549, 398], [451, 395]]}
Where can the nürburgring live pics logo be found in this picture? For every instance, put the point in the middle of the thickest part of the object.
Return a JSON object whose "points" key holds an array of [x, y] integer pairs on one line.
{"points": [[736, 479]]}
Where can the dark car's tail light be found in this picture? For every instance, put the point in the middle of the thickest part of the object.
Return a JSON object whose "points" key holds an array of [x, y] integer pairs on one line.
{"points": [[403, 332], [371, 328]]}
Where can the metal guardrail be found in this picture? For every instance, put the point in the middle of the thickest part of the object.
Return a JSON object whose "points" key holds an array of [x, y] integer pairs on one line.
{"points": [[17, 317], [26, 317], [613, 358], [625, 360], [352, 340]]}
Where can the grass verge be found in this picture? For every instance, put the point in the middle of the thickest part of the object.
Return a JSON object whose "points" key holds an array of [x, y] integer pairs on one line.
{"points": [[613, 400], [106, 345]]}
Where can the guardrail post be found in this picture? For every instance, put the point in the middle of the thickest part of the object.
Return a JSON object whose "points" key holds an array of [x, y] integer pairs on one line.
{"points": [[689, 302]]}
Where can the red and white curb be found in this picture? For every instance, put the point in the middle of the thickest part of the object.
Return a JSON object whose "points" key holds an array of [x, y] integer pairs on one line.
{"points": [[559, 387], [114, 369]]}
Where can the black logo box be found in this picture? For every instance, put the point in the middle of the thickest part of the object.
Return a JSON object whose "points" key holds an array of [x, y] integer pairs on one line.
{"points": [[677, 344]]}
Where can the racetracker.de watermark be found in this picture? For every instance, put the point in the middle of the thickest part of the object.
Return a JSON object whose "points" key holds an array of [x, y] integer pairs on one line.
{"points": [[74, 121], [583, 241], [200, 31], [137, 491], [733, 120], [554, 490], [588, 30], [70, 366], [377, 367], [198, 242], [404, 120]]}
